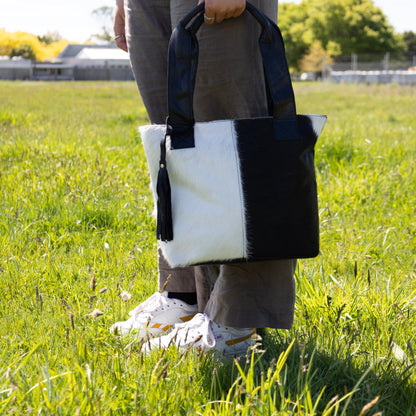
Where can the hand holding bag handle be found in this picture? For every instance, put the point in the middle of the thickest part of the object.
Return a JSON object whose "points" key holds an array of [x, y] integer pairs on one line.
{"points": [[183, 63]]}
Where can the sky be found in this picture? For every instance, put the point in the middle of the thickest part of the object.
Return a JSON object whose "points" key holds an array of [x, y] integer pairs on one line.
{"points": [[71, 18], [74, 21]]}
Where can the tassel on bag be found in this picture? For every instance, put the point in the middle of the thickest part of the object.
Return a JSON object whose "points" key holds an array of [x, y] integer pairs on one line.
{"points": [[164, 205]]}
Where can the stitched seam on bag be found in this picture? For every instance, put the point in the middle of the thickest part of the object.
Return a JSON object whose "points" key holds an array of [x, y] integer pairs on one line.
{"points": [[240, 187]]}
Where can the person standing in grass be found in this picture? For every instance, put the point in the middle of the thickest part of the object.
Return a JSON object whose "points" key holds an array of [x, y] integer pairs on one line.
{"points": [[212, 307]]}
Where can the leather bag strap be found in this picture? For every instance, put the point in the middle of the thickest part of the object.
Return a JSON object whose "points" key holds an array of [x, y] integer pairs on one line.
{"points": [[183, 63]]}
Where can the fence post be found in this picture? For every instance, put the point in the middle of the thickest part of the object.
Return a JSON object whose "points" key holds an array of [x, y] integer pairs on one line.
{"points": [[354, 61], [386, 61]]}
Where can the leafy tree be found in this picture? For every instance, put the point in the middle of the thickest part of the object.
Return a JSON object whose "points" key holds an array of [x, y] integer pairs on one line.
{"points": [[409, 40], [314, 59], [105, 14], [296, 34], [24, 50], [342, 26], [50, 37], [28, 45], [356, 25]]}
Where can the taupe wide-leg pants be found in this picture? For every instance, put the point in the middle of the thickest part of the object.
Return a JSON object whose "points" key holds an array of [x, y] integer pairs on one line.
{"points": [[229, 85]]}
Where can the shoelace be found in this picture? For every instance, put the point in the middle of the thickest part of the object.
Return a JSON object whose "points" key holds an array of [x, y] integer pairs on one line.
{"points": [[150, 304], [202, 324]]}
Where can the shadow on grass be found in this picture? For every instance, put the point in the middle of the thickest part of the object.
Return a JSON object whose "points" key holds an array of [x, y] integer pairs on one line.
{"points": [[309, 368]]}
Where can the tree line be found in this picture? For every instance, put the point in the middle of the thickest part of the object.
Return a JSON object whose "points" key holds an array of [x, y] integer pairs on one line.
{"points": [[50, 45], [314, 28], [30, 46]]}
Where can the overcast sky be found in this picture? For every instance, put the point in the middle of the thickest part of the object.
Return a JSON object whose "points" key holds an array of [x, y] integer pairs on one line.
{"points": [[73, 19]]}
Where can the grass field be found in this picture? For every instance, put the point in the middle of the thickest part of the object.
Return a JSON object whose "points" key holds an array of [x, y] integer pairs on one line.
{"points": [[76, 231]]}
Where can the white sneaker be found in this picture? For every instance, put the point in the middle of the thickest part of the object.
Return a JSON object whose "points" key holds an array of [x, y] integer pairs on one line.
{"points": [[155, 316], [204, 334]]}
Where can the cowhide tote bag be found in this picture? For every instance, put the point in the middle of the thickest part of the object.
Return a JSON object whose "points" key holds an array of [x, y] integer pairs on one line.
{"points": [[233, 190]]}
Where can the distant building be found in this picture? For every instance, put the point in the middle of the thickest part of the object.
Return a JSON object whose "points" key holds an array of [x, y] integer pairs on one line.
{"points": [[15, 68], [97, 62], [75, 62], [54, 70]]}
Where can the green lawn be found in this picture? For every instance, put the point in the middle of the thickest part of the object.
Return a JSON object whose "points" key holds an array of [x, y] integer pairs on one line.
{"points": [[76, 230]]}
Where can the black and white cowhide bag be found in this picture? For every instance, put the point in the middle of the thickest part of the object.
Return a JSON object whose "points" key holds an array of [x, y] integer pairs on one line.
{"points": [[233, 190]]}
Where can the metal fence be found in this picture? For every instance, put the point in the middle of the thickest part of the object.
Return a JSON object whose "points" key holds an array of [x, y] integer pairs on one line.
{"points": [[371, 69], [374, 77], [372, 62]]}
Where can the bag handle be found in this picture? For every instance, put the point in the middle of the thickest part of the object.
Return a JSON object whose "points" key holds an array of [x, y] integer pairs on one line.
{"points": [[183, 63]]}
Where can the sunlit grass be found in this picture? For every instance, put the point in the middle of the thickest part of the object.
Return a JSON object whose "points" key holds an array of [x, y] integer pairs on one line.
{"points": [[76, 230]]}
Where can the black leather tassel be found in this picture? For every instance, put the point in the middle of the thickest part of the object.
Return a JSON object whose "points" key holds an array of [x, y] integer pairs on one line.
{"points": [[164, 205]]}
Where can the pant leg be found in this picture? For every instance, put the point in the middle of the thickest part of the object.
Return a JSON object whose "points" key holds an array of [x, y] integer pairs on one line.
{"points": [[254, 295], [148, 29], [179, 279]]}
